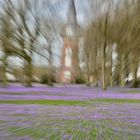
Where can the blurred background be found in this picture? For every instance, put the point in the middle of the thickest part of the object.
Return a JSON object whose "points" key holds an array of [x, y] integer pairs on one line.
{"points": [[92, 42]]}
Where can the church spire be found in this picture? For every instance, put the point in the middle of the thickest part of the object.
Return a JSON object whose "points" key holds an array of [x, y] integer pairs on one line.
{"points": [[72, 17]]}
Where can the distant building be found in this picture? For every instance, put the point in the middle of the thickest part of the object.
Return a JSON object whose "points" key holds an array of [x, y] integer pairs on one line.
{"points": [[70, 52]]}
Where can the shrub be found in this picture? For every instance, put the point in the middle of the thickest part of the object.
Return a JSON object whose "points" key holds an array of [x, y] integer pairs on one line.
{"points": [[44, 79], [136, 84], [80, 80], [47, 79]]}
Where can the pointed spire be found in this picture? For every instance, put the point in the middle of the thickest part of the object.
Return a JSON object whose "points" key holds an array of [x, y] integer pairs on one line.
{"points": [[72, 19], [72, 28]]}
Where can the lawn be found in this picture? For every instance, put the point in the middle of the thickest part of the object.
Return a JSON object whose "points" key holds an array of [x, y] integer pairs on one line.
{"points": [[72, 102], [62, 119]]}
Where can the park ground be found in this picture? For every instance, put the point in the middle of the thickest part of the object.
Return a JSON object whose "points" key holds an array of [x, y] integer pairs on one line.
{"points": [[69, 112]]}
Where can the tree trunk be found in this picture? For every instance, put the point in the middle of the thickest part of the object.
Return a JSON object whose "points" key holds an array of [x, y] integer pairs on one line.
{"points": [[104, 50], [4, 81], [28, 73], [88, 74], [122, 72], [134, 82], [111, 79], [103, 69]]}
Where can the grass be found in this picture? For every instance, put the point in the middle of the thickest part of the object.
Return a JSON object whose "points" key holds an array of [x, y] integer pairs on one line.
{"points": [[43, 102], [53, 128], [48, 126], [130, 91], [75, 130], [2, 121], [70, 102], [117, 101]]}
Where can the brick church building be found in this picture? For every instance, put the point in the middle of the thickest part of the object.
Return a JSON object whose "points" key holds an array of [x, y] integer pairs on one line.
{"points": [[71, 32]]}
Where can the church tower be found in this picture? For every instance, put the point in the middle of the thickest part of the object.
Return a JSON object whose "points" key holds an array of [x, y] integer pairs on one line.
{"points": [[70, 52]]}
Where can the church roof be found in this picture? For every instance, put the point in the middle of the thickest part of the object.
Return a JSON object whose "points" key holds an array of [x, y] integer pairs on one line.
{"points": [[72, 16], [72, 28]]}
